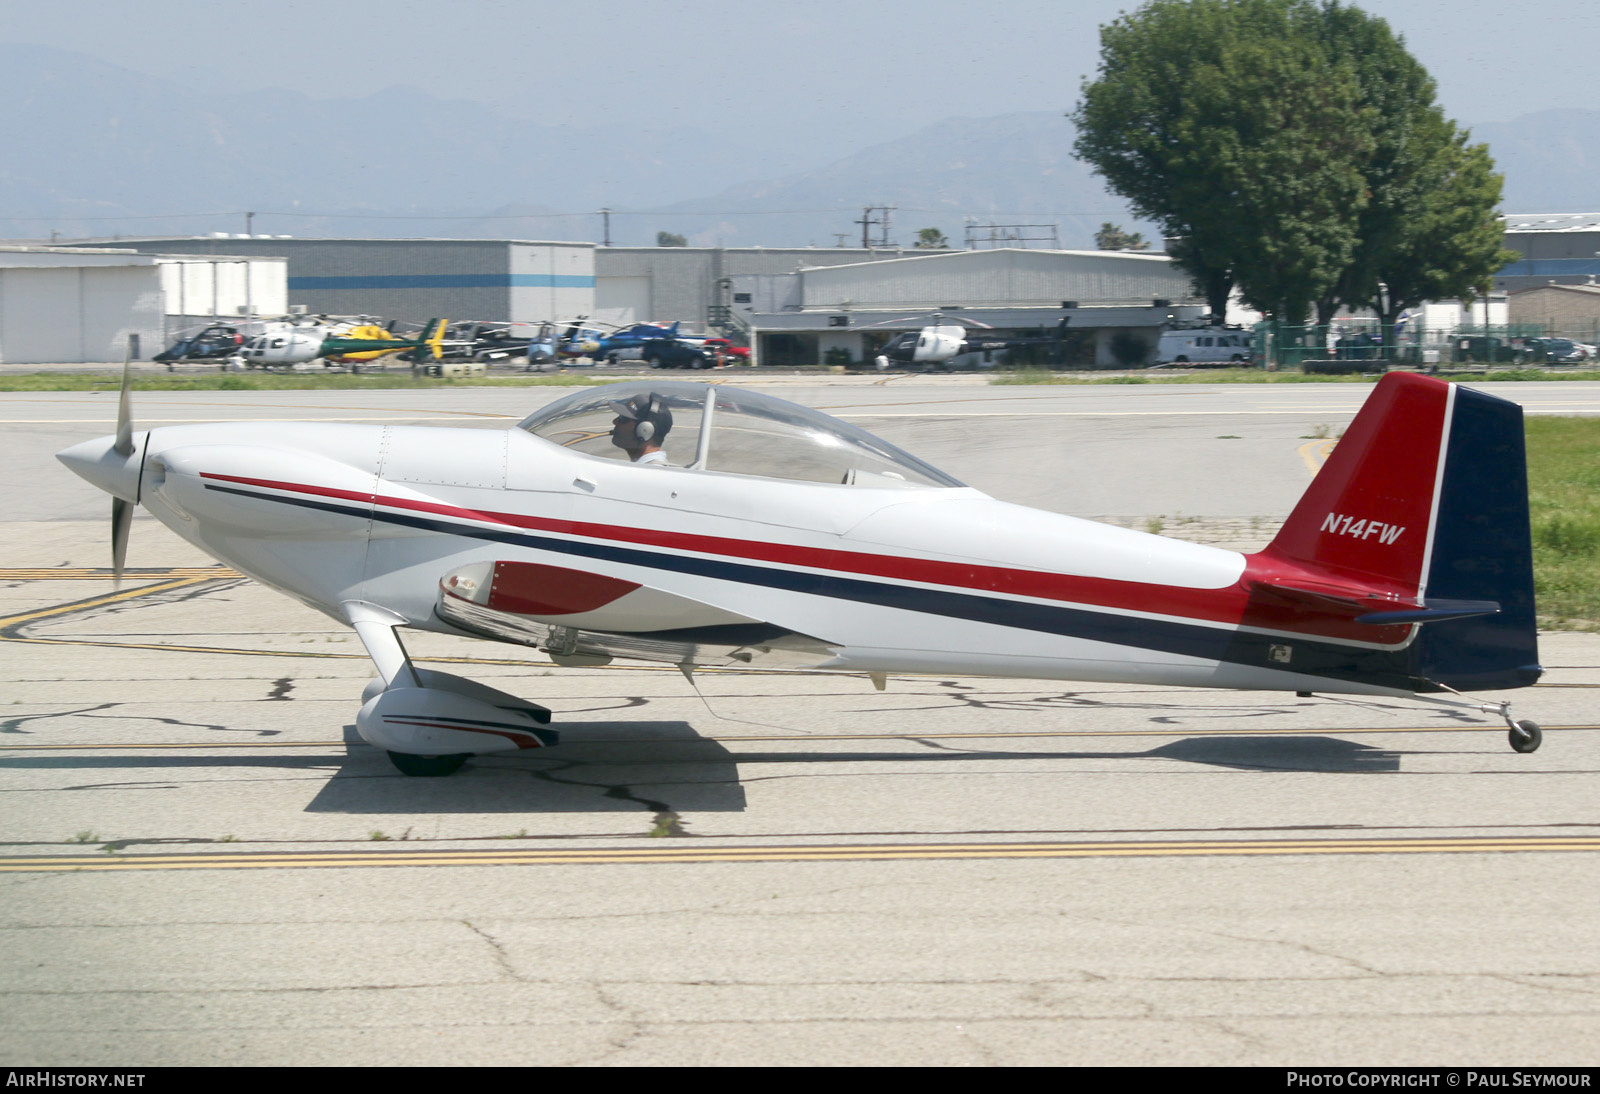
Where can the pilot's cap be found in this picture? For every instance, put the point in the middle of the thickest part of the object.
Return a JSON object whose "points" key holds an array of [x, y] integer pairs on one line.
{"points": [[645, 407]]}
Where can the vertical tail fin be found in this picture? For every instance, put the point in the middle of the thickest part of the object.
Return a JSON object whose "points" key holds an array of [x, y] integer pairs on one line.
{"points": [[1367, 516], [433, 337], [1425, 501]]}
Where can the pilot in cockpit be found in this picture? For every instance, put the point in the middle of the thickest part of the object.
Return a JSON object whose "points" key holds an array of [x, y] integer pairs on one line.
{"points": [[641, 426]]}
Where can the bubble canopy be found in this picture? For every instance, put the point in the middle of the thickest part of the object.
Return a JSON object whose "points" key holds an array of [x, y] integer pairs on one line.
{"points": [[739, 432]]}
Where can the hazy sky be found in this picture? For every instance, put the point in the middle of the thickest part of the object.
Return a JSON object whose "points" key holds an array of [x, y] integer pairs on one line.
{"points": [[845, 72]]}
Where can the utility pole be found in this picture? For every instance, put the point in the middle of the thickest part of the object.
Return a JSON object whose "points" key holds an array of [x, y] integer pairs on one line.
{"points": [[606, 213], [868, 221], [249, 224]]}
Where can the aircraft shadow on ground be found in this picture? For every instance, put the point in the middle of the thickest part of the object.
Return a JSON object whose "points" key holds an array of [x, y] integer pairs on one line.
{"points": [[657, 767], [631, 767], [666, 765]]}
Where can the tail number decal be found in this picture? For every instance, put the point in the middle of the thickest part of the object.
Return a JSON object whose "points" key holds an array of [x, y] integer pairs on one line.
{"points": [[1341, 525]]}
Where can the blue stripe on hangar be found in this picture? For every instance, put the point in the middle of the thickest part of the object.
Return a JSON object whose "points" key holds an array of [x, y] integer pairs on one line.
{"points": [[446, 281]]}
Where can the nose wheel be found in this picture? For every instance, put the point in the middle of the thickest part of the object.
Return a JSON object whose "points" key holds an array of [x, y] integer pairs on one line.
{"points": [[435, 766]]}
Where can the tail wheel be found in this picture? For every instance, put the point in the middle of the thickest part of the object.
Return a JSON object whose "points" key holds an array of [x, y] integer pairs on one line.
{"points": [[1526, 737], [427, 766]]}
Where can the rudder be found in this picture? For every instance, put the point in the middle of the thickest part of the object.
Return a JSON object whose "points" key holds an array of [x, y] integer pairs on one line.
{"points": [[1482, 549], [1424, 502]]}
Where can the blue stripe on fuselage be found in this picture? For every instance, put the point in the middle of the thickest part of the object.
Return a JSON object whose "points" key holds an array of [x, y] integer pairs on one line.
{"points": [[1225, 644]]}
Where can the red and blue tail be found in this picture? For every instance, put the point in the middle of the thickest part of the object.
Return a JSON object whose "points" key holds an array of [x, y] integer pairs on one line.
{"points": [[1420, 518]]}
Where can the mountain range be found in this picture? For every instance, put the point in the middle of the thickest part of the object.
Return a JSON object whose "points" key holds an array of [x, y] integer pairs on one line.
{"points": [[98, 150]]}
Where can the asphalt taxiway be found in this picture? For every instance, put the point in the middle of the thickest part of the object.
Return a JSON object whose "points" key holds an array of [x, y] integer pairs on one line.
{"points": [[201, 863]]}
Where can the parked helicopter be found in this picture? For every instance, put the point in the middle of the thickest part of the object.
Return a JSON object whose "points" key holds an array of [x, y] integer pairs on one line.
{"points": [[944, 339], [296, 344], [217, 341], [714, 526]]}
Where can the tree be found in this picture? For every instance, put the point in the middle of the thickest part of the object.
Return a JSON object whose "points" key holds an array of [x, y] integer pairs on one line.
{"points": [[930, 239], [1111, 237], [1429, 228], [1224, 122], [1448, 246], [670, 239], [1278, 134], [1295, 150]]}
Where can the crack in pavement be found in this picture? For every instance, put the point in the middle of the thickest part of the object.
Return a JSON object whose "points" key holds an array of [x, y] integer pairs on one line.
{"points": [[13, 725], [1515, 978], [217, 727], [501, 957], [665, 820], [633, 1025]]}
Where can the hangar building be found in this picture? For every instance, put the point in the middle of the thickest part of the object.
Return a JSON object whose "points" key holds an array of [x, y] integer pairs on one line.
{"points": [[1101, 294], [1556, 249], [62, 305], [418, 279], [793, 305]]}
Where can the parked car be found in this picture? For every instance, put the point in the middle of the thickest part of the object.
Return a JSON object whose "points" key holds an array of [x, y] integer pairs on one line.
{"points": [[1477, 347], [1558, 350], [1360, 346], [672, 353], [730, 353]]}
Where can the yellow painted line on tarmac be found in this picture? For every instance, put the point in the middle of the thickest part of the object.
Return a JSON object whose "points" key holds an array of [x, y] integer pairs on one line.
{"points": [[678, 852], [397, 416], [104, 573], [93, 602], [1315, 453], [809, 738], [184, 577]]}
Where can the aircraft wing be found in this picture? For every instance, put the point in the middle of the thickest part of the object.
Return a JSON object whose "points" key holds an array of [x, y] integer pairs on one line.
{"points": [[582, 618]]}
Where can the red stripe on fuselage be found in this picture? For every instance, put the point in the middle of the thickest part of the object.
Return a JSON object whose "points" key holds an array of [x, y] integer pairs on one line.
{"points": [[1231, 604], [521, 740]]}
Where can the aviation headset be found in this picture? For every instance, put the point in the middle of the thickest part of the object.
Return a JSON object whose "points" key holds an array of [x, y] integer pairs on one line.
{"points": [[651, 418]]}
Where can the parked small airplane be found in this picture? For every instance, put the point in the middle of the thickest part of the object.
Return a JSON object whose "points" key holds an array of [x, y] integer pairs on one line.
{"points": [[710, 525], [297, 344]]}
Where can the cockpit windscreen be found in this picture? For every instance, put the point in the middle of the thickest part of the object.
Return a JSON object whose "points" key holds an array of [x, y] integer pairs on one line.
{"points": [[740, 432]]}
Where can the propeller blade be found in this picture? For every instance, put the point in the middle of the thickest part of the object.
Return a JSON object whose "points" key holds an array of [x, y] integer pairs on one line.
{"points": [[122, 511], [124, 443], [121, 524]]}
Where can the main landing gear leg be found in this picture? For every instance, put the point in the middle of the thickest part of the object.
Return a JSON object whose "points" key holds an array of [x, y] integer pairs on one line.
{"points": [[376, 628]]}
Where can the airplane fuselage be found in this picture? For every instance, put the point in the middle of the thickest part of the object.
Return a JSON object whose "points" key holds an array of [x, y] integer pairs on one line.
{"points": [[879, 579]]}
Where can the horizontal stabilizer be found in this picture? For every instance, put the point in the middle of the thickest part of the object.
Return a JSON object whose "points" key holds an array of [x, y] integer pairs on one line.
{"points": [[1432, 611]]}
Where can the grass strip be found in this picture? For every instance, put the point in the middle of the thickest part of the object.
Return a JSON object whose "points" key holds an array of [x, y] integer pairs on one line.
{"points": [[1286, 376], [1564, 508]]}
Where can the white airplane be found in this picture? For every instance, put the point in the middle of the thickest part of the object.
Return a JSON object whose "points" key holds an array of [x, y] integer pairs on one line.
{"points": [[714, 526]]}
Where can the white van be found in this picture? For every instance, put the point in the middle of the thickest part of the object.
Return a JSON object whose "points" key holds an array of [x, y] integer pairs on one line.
{"points": [[1203, 346]]}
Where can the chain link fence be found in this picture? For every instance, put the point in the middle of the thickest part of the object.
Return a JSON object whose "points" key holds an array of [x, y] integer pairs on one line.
{"points": [[1347, 345]]}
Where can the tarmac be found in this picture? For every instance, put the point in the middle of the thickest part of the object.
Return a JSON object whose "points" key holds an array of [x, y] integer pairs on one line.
{"points": [[201, 863]]}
